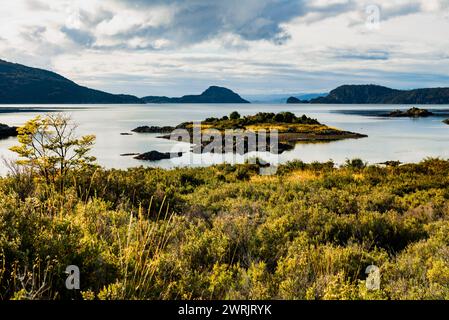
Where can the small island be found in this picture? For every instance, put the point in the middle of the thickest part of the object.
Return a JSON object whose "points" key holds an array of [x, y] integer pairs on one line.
{"points": [[291, 130], [410, 113], [153, 129], [7, 131], [156, 155], [446, 121]]}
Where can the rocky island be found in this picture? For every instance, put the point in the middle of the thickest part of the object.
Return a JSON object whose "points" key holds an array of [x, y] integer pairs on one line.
{"points": [[410, 113], [291, 130], [153, 129], [7, 131], [156, 155]]}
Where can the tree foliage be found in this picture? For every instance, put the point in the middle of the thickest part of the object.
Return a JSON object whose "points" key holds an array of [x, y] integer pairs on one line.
{"points": [[49, 146]]}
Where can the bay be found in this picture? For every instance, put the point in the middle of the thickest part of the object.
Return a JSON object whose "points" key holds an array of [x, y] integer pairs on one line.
{"points": [[402, 139]]}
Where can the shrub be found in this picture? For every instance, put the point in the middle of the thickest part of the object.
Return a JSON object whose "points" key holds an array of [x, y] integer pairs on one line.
{"points": [[234, 115]]}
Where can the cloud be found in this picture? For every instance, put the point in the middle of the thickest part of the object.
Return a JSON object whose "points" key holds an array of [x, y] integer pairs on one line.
{"points": [[183, 23], [356, 54], [78, 36], [151, 47], [36, 5]]}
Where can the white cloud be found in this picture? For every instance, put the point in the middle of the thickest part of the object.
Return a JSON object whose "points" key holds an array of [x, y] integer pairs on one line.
{"points": [[175, 47]]}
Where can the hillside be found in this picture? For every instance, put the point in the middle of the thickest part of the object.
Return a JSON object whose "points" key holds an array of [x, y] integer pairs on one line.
{"points": [[22, 84], [295, 100], [374, 94], [213, 94]]}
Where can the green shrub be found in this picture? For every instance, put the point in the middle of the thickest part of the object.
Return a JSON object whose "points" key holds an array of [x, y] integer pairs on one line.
{"points": [[224, 232]]}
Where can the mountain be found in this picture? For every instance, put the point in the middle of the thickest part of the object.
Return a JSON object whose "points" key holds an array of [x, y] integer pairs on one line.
{"points": [[213, 94], [280, 97], [358, 94], [22, 84], [374, 94], [295, 100]]}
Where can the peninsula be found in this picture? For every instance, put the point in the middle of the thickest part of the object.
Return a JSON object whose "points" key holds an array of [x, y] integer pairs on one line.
{"points": [[374, 94]]}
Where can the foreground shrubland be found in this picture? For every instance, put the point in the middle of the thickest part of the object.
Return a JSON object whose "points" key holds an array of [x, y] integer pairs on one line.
{"points": [[225, 232]]}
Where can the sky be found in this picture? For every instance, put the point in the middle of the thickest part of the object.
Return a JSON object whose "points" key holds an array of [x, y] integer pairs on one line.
{"points": [[175, 47]]}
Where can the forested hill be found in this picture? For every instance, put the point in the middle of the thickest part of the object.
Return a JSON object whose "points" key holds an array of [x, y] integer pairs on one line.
{"points": [[22, 84], [213, 94], [374, 94]]}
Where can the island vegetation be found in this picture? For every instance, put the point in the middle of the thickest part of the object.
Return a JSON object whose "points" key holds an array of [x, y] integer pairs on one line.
{"points": [[291, 129], [222, 232]]}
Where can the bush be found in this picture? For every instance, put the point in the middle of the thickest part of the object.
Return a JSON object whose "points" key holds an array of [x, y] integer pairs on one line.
{"points": [[234, 115], [225, 232]]}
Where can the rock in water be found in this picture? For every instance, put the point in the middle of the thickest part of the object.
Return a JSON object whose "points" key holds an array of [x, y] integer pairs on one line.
{"points": [[129, 154], [153, 129], [412, 113], [156, 155], [7, 131]]}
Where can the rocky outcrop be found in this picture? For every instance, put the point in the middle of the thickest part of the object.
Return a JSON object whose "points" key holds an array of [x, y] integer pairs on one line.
{"points": [[446, 121], [410, 113], [156, 155], [153, 129], [129, 154], [244, 132], [7, 131]]}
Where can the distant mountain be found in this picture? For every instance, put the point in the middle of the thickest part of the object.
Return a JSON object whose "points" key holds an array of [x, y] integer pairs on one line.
{"points": [[22, 84], [280, 98], [213, 94], [373, 94], [296, 100]]}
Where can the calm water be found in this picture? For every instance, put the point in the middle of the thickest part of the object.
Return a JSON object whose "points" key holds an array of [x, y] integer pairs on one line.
{"points": [[403, 139]]}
